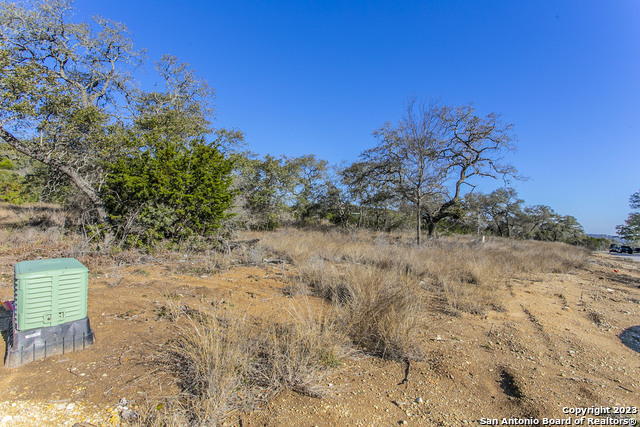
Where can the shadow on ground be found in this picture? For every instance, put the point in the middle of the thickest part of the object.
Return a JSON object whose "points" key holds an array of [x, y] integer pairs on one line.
{"points": [[631, 338]]}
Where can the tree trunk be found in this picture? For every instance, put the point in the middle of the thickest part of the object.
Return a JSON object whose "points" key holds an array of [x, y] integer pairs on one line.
{"points": [[82, 184], [431, 227], [88, 190], [418, 219]]}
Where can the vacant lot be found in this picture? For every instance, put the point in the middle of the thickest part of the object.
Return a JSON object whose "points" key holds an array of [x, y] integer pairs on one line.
{"points": [[343, 328]]}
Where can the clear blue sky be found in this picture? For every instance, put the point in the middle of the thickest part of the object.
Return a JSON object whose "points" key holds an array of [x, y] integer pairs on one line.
{"points": [[318, 77]]}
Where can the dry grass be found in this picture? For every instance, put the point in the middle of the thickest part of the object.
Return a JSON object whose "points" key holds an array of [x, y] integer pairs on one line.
{"points": [[379, 309], [299, 354], [210, 360], [31, 226], [44, 215], [382, 313], [21, 238], [224, 363], [467, 274]]}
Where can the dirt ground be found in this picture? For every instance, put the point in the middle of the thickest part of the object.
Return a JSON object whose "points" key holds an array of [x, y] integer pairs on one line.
{"points": [[556, 346]]}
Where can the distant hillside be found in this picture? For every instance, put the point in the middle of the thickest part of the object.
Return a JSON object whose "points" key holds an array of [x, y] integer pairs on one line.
{"points": [[614, 239], [605, 236]]}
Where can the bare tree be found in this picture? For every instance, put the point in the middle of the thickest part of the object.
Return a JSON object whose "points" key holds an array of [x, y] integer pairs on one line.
{"points": [[433, 152], [408, 156]]}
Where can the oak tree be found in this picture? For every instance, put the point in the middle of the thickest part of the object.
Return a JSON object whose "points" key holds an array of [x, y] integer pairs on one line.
{"points": [[430, 155], [148, 161], [61, 87]]}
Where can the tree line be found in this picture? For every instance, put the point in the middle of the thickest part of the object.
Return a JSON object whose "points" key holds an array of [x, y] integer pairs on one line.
{"points": [[148, 165]]}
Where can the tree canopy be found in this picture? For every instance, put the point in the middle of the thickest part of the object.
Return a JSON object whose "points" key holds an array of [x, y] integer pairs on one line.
{"points": [[68, 99], [151, 165], [429, 155], [60, 87]]}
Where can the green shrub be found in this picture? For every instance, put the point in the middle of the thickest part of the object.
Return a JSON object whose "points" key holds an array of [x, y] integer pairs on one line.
{"points": [[168, 190], [13, 188]]}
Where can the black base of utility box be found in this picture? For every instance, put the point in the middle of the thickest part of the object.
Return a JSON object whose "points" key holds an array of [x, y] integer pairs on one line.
{"points": [[35, 344]]}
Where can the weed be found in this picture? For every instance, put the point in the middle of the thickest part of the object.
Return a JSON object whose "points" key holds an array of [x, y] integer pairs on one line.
{"points": [[383, 313], [297, 356]]}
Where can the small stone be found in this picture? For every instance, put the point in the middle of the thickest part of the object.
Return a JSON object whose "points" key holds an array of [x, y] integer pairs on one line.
{"points": [[419, 400], [128, 415], [400, 404], [70, 407], [403, 422]]}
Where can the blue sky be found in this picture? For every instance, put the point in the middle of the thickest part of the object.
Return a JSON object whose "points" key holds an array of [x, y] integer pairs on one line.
{"points": [[300, 77]]}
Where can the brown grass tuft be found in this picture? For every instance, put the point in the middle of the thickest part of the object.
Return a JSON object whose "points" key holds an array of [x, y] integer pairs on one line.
{"points": [[382, 313], [224, 363], [298, 355]]}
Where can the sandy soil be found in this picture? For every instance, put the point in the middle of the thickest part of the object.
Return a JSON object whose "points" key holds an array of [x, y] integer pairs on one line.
{"points": [[555, 346]]}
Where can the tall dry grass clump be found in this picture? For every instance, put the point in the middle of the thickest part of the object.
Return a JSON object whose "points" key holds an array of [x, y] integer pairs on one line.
{"points": [[298, 355], [379, 308], [225, 363], [210, 358], [382, 312]]}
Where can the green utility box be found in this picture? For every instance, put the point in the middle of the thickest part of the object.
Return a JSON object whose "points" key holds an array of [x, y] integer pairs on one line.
{"points": [[49, 292], [49, 313]]}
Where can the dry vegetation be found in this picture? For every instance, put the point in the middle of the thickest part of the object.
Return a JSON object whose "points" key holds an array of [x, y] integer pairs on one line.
{"points": [[467, 274], [377, 287], [350, 292], [225, 364]]}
